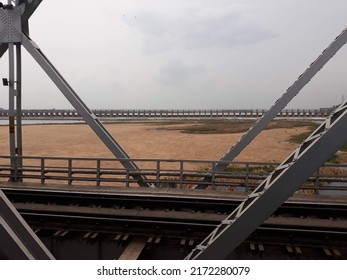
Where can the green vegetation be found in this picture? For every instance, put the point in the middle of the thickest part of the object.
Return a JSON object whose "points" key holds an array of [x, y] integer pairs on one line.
{"points": [[254, 169], [299, 138]]}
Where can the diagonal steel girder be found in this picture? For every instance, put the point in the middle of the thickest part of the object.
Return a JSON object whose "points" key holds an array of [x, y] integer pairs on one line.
{"points": [[18, 241], [83, 110], [27, 8], [262, 122], [276, 188]]}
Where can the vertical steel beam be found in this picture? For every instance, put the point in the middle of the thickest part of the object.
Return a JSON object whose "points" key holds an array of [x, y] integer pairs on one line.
{"points": [[11, 111], [19, 106], [291, 92], [276, 188], [83, 110]]}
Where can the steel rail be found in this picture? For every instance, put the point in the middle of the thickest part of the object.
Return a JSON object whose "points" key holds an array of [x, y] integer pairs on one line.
{"points": [[145, 201], [156, 221], [306, 235], [145, 221]]}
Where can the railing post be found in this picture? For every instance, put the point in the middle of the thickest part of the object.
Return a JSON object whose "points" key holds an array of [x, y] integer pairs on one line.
{"points": [[157, 178], [98, 173], [20, 168], [127, 178], [213, 175], [247, 177], [15, 171], [70, 171], [42, 171], [181, 174]]}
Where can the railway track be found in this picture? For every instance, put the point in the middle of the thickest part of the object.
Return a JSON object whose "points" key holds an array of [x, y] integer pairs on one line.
{"points": [[170, 225]]}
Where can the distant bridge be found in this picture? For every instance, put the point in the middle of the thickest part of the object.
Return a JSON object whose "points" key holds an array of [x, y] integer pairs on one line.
{"points": [[118, 113]]}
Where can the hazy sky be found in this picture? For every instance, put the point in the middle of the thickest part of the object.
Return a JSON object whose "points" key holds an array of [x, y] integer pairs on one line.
{"points": [[153, 54]]}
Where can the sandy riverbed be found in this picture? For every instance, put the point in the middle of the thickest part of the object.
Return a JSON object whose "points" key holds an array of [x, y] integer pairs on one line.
{"points": [[148, 141]]}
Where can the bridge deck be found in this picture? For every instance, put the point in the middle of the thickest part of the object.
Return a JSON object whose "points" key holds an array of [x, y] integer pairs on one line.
{"points": [[118, 219], [174, 192]]}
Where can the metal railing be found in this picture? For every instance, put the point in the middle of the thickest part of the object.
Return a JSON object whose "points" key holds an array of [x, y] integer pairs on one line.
{"points": [[226, 113], [161, 173]]}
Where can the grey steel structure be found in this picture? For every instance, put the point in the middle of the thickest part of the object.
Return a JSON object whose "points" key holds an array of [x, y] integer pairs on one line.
{"points": [[21, 243], [17, 239], [287, 177], [291, 92], [276, 188], [14, 32]]}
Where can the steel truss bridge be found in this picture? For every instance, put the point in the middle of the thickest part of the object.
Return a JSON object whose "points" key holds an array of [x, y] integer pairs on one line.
{"points": [[79, 222], [267, 196], [91, 208], [135, 114]]}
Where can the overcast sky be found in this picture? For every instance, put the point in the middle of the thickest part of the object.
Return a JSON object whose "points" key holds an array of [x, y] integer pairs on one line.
{"points": [[165, 54]]}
